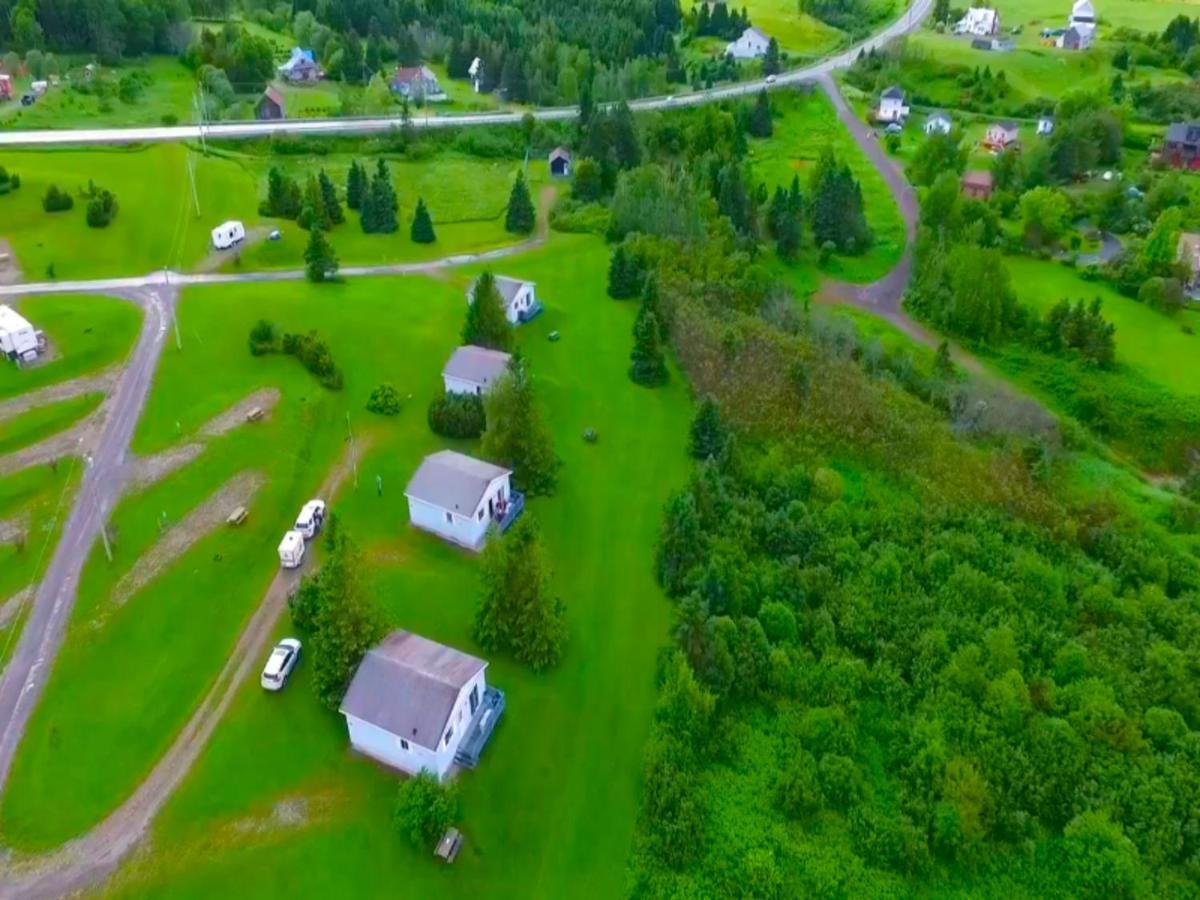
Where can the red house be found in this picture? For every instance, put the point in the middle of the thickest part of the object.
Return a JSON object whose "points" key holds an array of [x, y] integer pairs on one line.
{"points": [[1181, 148]]}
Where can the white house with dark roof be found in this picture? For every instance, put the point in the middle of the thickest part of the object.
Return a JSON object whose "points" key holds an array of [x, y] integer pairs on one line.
{"points": [[891, 105], [473, 370], [751, 45], [300, 66], [519, 298], [1045, 126], [412, 703], [458, 497], [979, 21]]}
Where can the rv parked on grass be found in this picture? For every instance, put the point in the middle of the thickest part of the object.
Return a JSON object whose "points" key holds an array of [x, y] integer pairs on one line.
{"points": [[291, 550], [227, 234], [311, 518]]}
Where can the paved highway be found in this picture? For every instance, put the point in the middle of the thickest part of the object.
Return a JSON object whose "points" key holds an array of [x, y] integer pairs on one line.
{"points": [[911, 19]]}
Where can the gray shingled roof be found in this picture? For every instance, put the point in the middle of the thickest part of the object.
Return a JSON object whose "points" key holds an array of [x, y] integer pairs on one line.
{"points": [[893, 93], [505, 286], [407, 686], [478, 365], [453, 481]]}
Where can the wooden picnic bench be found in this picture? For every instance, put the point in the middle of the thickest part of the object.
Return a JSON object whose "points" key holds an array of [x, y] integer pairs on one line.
{"points": [[238, 516], [449, 845], [254, 414]]}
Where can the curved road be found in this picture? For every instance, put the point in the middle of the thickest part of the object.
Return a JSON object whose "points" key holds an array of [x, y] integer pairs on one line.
{"points": [[912, 18]]}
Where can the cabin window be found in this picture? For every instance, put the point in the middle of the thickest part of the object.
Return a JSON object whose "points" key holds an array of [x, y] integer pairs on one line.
{"points": [[449, 519], [403, 744], [480, 515], [449, 734]]}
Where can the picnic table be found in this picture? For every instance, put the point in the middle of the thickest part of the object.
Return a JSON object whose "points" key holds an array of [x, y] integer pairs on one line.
{"points": [[449, 845], [238, 516], [254, 414]]}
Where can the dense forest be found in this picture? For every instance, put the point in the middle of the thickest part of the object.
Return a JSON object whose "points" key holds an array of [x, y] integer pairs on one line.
{"points": [[904, 658]]}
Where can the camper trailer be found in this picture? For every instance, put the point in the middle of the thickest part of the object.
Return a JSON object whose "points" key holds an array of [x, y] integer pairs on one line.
{"points": [[291, 550], [19, 340], [311, 518], [227, 234]]}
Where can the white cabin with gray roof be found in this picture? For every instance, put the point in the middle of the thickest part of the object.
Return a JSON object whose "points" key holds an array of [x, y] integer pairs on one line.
{"points": [[519, 298], [473, 370], [457, 497], [413, 701]]}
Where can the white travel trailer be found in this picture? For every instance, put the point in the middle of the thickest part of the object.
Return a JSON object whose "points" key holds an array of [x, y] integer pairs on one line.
{"points": [[311, 518], [227, 234], [291, 550], [19, 340]]}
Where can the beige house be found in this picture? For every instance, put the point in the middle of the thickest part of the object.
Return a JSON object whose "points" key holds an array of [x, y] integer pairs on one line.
{"points": [[1188, 253]]}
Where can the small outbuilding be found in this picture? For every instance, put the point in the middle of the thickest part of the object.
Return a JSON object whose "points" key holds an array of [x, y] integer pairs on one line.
{"points": [[1001, 136], [938, 123], [300, 68], [19, 340], [977, 184], [1045, 126], [417, 83], [271, 105], [6, 86], [560, 162], [979, 21], [473, 370], [417, 705], [458, 497], [227, 234], [519, 298]]}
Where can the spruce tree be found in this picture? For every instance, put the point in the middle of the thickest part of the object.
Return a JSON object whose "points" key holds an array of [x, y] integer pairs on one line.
{"points": [[356, 185], [329, 197], [516, 435], [383, 200], [320, 263], [648, 363], [709, 434], [771, 64], [313, 216], [623, 275], [486, 324], [760, 118], [520, 217], [422, 225]]}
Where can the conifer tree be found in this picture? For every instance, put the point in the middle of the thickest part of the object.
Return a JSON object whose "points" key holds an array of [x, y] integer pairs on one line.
{"points": [[623, 274], [356, 185], [771, 64], [313, 216], [329, 197], [709, 434], [320, 263], [516, 435], [486, 324], [520, 217], [422, 225], [760, 117], [648, 363]]}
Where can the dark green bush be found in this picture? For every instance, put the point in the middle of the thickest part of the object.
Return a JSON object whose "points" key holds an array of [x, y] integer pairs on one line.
{"points": [[457, 415]]}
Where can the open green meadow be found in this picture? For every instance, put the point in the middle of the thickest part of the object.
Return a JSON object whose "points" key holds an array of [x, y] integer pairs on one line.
{"points": [[158, 228], [563, 769], [797, 33], [87, 334], [1154, 344], [804, 126]]}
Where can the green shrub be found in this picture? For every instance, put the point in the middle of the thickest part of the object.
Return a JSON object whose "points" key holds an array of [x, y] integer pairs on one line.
{"points": [[384, 400], [56, 200], [102, 208], [425, 808], [457, 416]]}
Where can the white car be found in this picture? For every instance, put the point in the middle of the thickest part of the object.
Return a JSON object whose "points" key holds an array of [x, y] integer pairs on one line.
{"points": [[280, 664], [770, 79]]}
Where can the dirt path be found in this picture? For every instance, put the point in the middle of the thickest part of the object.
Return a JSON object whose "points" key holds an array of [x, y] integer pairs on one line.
{"points": [[205, 518], [12, 530], [101, 382], [83, 862], [12, 606], [236, 414], [217, 258]]}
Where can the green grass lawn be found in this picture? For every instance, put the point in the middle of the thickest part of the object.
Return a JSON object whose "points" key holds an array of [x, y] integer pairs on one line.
{"points": [[805, 124], [44, 421], [156, 228], [42, 496], [563, 770], [1149, 341], [168, 94], [798, 33], [88, 334], [1145, 15]]}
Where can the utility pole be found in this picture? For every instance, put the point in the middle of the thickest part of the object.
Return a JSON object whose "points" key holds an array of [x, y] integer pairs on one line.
{"points": [[104, 534], [192, 180]]}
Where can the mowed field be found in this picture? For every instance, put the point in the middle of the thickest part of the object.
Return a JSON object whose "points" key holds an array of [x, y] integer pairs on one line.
{"points": [[804, 125], [797, 33], [158, 225], [564, 767]]}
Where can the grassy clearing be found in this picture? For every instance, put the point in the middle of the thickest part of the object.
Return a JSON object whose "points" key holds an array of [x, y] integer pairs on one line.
{"points": [[157, 228], [805, 125], [89, 333], [797, 33], [168, 94], [563, 769], [1147, 15], [44, 421], [1148, 341], [40, 495]]}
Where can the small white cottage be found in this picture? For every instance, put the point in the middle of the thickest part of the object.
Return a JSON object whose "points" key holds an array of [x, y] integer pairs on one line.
{"points": [[473, 370], [412, 701], [1045, 126], [457, 497], [891, 105], [938, 123], [979, 21], [518, 298], [751, 45]]}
